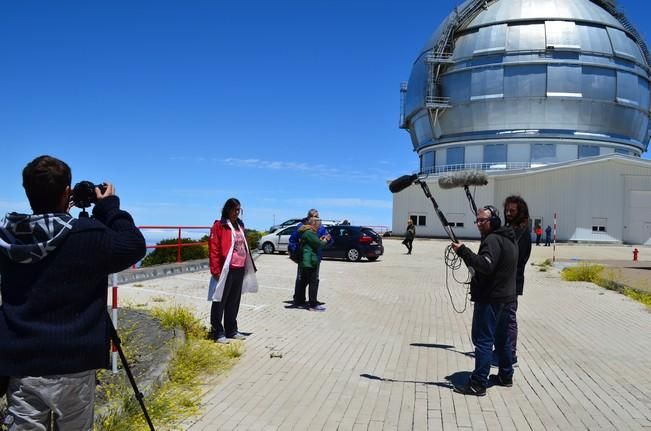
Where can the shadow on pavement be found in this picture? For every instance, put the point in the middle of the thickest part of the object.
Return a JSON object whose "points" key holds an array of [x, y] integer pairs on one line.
{"points": [[444, 347], [447, 385]]}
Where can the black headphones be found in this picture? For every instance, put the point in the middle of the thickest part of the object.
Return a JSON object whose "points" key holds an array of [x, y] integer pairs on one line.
{"points": [[495, 220]]}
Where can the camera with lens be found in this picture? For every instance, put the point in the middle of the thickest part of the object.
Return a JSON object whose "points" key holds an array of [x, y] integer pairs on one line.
{"points": [[83, 193]]}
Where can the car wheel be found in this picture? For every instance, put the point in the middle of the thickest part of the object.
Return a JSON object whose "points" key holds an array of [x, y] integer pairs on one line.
{"points": [[372, 258], [268, 248], [353, 255]]}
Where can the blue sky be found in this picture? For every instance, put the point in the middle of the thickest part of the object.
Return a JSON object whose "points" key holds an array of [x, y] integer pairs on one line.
{"points": [[286, 104]]}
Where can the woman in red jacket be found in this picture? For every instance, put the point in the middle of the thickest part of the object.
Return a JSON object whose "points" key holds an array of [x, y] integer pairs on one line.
{"points": [[233, 272]]}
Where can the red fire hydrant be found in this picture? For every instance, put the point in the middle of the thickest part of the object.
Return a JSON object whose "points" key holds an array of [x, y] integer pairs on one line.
{"points": [[635, 253]]}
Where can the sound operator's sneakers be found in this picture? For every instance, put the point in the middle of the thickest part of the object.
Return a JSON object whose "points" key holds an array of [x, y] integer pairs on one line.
{"points": [[470, 388], [238, 336], [317, 307], [498, 380]]}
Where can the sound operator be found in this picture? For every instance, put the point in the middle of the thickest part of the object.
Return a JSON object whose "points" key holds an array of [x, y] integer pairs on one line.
{"points": [[492, 288]]}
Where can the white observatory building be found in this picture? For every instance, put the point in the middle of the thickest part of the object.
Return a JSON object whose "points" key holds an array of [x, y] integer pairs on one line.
{"points": [[551, 99]]}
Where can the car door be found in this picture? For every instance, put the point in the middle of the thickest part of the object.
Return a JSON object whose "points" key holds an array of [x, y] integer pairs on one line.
{"points": [[283, 238], [340, 239], [330, 249]]}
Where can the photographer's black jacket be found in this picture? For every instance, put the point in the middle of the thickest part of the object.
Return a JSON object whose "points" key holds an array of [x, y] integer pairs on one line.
{"points": [[494, 267], [54, 298]]}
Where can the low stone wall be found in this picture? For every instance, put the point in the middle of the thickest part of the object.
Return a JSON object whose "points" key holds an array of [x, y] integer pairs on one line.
{"points": [[157, 271]]}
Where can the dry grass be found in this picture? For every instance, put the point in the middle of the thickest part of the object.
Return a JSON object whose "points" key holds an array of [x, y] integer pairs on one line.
{"points": [[179, 397], [606, 279]]}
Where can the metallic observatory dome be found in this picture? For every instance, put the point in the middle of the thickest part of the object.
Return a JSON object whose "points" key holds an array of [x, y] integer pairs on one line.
{"points": [[519, 83]]}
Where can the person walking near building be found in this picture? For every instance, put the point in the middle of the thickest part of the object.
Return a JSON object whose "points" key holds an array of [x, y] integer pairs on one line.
{"points": [[548, 236], [492, 288], [298, 300], [410, 234], [53, 318], [309, 262], [233, 272], [538, 232], [516, 213]]}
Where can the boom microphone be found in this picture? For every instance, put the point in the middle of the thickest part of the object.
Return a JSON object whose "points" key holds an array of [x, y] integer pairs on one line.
{"points": [[401, 183], [463, 179]]}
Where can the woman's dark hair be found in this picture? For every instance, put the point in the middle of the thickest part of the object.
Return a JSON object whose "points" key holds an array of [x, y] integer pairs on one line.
{"points": [[522, 218], [230, 205], [45, 180]]}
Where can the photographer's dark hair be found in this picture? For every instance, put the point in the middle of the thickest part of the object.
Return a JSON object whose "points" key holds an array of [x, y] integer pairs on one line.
{"points": [[45, 180], [522, 219], [230, 205]]}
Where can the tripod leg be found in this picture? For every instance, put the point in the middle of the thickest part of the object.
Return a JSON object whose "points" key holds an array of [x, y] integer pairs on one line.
{"points": [[139, 396]]}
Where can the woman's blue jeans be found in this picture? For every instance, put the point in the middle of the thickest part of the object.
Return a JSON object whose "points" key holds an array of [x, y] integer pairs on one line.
{"points": [[489, 327]]}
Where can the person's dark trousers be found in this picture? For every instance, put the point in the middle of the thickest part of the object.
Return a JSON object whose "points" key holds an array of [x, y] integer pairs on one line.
{"points": [[537, 239], [310, 278], [547, 241], [229, 306], [407, 243], [512, 328], [299, 288], [489, 322]]}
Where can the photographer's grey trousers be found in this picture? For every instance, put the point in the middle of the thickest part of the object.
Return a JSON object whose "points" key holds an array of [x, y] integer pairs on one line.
{"points": [[67, 400]]}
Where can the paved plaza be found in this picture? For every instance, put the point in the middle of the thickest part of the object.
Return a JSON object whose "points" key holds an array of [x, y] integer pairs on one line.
{"points": [[384, 353]]}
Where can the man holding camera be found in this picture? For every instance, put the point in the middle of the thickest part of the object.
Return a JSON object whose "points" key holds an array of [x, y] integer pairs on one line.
{"points": [[54, 329], [492, 288]]}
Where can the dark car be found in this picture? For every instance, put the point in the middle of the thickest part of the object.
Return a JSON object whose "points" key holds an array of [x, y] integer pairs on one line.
{"points": [[353, 243]]}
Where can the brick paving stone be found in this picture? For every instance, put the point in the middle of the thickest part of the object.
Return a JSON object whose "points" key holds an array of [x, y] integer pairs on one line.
{"points": [[378, 358]]}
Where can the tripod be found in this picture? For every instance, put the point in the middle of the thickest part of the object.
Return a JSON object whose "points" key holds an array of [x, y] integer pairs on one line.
{"points": [[139, 396]]}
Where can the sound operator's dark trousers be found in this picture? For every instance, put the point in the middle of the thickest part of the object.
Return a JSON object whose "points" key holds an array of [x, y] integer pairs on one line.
{"points": [[489, 328], [229, 306]]}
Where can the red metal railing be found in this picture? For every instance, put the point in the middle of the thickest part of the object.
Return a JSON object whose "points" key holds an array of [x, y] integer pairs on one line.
{"points": [[381, 229], [178, 244]]}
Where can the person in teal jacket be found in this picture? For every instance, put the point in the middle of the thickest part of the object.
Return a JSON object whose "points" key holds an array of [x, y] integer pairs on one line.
{"points": [[310, 244]]}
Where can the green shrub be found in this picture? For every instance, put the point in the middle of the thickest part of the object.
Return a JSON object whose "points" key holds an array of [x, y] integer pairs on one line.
{"points": [[252, 238], [168, 254], [583, 272]]}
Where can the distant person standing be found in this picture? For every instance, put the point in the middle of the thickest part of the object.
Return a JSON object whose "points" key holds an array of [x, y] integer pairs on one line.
{"points": [[233, 272], [309, 260], [548, 236], [516, 212], [538, 232], [410, 234]]}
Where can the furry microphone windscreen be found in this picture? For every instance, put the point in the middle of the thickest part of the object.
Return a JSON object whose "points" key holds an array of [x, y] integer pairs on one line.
{"points": [[463, 178], [399, 184]]}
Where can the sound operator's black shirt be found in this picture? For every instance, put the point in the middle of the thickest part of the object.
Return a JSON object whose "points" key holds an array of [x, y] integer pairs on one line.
{"points": [[494, 267]]}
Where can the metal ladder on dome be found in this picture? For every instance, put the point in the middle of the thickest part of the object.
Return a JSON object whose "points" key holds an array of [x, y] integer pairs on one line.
{"points": [[441, 57]]}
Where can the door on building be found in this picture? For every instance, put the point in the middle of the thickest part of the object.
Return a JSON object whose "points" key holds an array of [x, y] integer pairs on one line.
{"points": [[638, 230], [533, 222]]}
